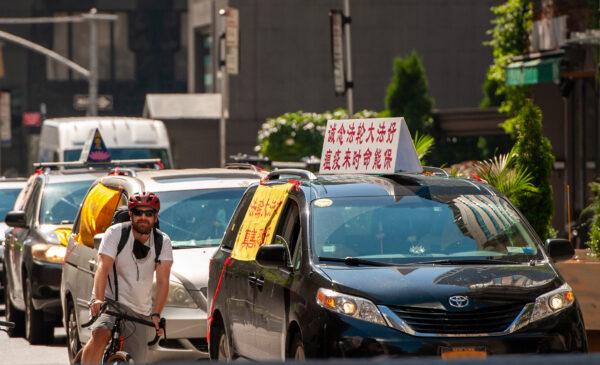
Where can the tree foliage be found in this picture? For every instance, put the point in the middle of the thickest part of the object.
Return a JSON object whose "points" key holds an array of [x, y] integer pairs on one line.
{"points": [[510, 180], [594, 242], [408, 93], [533, 153], [509, 38]]}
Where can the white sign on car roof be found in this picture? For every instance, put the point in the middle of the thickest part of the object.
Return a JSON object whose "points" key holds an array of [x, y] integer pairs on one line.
{"points": [[371, 146]]}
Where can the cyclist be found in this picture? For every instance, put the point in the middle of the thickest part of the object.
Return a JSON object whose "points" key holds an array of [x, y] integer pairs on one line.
{"points": [[128, 260]]}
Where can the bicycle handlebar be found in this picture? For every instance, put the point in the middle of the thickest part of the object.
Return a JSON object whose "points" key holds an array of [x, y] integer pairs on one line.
{"points": [[103, 309], [7, 324]]}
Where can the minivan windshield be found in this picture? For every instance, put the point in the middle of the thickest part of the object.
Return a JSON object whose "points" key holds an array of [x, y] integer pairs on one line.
{"points": [[413, 229], [7, 200], [197, 218], [61, 201], [127, 154]]}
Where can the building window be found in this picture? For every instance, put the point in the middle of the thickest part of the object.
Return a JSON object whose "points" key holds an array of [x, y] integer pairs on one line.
{"points": [[204, 60], [115, 60]]}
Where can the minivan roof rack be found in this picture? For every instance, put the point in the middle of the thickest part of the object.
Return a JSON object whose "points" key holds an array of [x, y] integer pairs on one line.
{"points": [[277, 174], [112, 163], [437, 171], [241, 166]]}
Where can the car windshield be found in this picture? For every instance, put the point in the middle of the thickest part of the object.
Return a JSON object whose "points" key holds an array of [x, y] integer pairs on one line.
{"points": [[127, 154], [61, 201], [411, 229], [197, 218], [7, 201]]}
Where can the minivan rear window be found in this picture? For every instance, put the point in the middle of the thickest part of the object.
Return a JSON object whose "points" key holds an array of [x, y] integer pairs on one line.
{"points": [[406, 229], [126, 154]]}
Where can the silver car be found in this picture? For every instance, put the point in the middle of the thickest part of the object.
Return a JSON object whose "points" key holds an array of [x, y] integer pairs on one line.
{"points": [[196, 206]]}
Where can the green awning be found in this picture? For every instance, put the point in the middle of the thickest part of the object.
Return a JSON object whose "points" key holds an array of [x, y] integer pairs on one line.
{"points": [[533, 72]]}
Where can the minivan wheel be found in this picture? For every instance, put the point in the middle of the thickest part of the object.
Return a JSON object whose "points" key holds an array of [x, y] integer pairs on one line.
{"points": [[13, 315], [297, 349], [36, 330], [72, 333], [222, 351]]}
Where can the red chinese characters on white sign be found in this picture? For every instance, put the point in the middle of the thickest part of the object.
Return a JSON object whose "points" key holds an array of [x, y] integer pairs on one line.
{"points": [[365, 146]]}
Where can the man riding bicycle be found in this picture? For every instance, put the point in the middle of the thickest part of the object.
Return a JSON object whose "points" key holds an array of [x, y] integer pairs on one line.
{"points": [[129, 255]]}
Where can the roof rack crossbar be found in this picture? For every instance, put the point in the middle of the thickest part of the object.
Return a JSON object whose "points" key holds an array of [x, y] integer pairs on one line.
{"points": [[276, 175], [92, 164]]}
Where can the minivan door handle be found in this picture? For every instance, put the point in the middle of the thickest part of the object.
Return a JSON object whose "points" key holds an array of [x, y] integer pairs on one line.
{"points": [[92, 263], [251, 279]]}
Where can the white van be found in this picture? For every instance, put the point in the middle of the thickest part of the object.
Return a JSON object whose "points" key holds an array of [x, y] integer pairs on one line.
{"points": [[62, 139]]}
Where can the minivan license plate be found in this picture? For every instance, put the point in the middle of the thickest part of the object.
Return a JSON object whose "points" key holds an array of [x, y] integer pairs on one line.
{"points": [[451, 353]]}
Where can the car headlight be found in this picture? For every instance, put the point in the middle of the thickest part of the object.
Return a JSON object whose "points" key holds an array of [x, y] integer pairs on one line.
{"points": [[179, 296], [49, 253], [552, 302], [349, 305]]}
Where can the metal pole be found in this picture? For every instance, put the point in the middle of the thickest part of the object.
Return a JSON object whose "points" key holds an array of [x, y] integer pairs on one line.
{"points": [[222, 120], [93, 80], [349, 80]]}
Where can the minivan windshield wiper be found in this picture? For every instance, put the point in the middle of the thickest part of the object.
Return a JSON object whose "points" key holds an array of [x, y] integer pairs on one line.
{"points": [[478, 261], [355, 261]]}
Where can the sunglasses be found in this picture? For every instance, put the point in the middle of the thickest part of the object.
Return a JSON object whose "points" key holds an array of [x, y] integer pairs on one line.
{"points": [[147, 213]]}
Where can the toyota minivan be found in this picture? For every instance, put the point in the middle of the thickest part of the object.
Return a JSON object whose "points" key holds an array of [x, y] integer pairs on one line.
{"points": [[390, 265]]}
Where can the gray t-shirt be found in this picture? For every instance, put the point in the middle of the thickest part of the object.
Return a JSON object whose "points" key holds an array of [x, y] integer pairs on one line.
{"points": [[135, 276]]}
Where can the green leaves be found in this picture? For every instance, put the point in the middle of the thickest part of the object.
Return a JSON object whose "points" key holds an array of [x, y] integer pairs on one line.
{"points": [[423, 144], [510, 180], [408, 93]]}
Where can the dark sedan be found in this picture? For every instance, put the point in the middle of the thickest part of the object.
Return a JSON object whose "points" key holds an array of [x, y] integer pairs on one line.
{"points": [[392, 265]]}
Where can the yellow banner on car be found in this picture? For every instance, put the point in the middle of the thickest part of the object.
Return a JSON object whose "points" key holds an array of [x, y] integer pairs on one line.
{"points": [[260, 222], [97, 212], [63, 234]]}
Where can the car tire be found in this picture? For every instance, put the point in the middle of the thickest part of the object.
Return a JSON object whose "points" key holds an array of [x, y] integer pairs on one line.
{"points": [[73, 344], [13, 315], [297, 349], [222, 350], [37, 331]]}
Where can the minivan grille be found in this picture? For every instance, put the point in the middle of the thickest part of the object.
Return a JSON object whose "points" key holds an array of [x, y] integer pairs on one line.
{"points": [[438, 321]]}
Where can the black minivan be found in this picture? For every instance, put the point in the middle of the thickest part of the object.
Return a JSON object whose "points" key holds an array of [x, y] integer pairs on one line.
{"points": [[391, 265]]}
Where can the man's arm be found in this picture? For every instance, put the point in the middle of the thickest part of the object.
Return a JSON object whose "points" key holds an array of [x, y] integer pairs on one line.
{"points": [[105, 263], [163, 272]]}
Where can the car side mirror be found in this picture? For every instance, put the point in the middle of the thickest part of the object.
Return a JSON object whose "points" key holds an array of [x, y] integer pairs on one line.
{"points": [[559, 249], [16, 219], [98, 240], [273, 255]]}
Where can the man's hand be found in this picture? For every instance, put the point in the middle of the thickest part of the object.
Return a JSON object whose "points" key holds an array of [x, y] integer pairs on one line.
{"points": [[156, 320], [95, 307]]}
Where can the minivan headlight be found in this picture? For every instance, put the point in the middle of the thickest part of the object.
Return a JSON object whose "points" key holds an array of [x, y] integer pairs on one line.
{"points": [[49, 253], [552, 302], [349, 305]]}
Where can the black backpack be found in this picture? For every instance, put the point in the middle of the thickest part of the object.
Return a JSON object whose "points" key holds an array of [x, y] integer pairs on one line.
{"points": [[122, 216]]}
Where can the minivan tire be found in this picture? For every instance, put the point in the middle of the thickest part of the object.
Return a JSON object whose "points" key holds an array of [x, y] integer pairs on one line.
{"points": [[37, 331], [13, 315], [73, 344], [222, 352], [297, 349]]}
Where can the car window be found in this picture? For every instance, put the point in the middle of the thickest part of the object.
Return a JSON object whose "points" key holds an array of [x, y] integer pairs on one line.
{"points": [[238, 218], [32, 202], [7, 201], [197, 218], [61, 201], [414, 228], [289, 226]]}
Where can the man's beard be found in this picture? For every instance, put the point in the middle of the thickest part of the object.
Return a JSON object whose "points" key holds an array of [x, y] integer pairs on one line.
{"points": [[142, 229]]}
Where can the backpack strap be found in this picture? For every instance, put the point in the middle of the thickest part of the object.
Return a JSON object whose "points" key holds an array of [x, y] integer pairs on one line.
{"points": [[125, 232], [158, 243]]}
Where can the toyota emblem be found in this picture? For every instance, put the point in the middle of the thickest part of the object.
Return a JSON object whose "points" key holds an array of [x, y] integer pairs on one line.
{"points": [[459, 301]]}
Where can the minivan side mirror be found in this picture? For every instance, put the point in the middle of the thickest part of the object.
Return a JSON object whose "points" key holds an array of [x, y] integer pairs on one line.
{"points": [[16, 219], [273, 255], [559, 249], [97, 240]]}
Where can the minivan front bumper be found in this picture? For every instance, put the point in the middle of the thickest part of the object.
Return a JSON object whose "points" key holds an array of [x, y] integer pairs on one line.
{"points": [[350, 337]]}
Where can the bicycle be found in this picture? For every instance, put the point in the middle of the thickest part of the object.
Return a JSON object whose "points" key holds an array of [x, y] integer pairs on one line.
{"points": [[5, 326], [114, 354]]}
